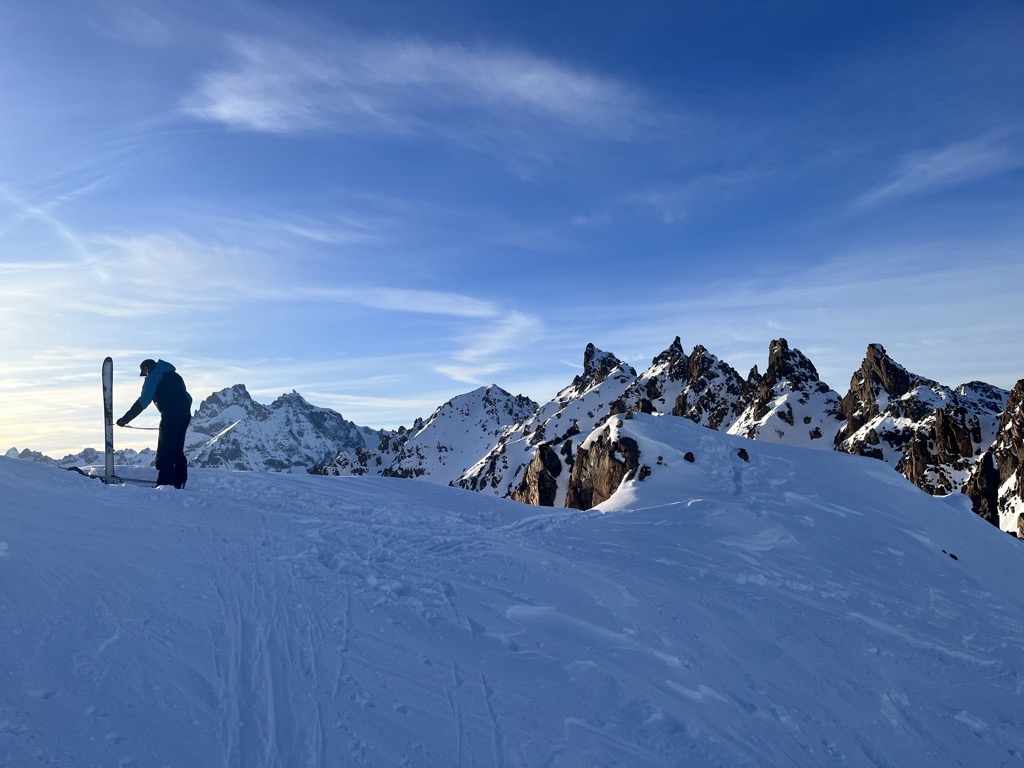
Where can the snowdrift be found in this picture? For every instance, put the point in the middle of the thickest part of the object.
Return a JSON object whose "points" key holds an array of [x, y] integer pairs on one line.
{"points": [[799, 608]]}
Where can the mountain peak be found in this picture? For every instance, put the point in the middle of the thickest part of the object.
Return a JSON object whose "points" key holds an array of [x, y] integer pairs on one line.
{"points": [[880, 371], [789, 404], [222, 408], [792, 365], [598, 366], [598, 363]]}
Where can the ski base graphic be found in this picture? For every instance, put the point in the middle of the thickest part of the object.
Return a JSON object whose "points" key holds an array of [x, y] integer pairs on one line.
{"points": [[108, 419]]}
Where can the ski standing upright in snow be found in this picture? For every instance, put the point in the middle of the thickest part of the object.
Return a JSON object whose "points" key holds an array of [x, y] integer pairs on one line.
{"points": [[108, 420]]}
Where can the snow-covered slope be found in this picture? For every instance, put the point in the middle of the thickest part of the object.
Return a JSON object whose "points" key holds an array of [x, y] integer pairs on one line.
{"points": [[802, 608]]}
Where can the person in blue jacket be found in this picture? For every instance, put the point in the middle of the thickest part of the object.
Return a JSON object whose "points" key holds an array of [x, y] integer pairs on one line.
{"points": [[165, 387]]}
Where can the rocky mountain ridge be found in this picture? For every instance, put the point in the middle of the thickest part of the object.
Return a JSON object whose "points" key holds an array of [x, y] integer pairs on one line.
{"points": [[944, 440], [231, 430], [938, 437]]}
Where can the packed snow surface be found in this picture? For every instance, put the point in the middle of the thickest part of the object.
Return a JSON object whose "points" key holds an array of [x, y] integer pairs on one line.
{"points": [[802, 608]]}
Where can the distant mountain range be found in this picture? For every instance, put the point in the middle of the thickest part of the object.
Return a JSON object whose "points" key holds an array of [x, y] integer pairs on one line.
{"points": [[966, 439]]}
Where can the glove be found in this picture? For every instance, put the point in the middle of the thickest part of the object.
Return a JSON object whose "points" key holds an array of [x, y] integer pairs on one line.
{"points": [[121, 422]]}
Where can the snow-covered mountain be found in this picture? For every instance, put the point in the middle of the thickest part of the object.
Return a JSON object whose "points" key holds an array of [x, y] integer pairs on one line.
{"points": [[788, 404], [458, 433], [441, 448], [127, 457], [488, 440], [531, 461], [793, 608], [231, 430], [930, 433], [698, 386]]}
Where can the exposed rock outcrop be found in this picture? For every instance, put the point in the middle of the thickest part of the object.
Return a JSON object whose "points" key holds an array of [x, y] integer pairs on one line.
{"points": [[996, 486], [879, 382], [714, 394], [601, 465], [540, 482], [931, 434], [662, 382]]}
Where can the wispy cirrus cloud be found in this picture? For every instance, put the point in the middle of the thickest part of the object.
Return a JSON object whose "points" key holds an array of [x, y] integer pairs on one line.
{"points": [[674, 202], [923, 172], [481, 356], [406, 87], [405, 300]]}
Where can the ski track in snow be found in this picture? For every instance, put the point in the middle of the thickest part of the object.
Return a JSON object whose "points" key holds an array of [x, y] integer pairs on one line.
{"points": [[257, 620]]}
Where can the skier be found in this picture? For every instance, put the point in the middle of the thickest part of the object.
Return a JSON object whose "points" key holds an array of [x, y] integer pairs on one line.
{"points": [[166, 388]]}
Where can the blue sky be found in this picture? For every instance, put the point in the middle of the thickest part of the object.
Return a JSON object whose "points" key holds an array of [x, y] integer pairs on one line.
{"points": [[383, 205]]}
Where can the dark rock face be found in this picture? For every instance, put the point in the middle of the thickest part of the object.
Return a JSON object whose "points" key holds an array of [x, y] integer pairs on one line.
{"points": [[789, 366], [982, 487], [942, 450], [931, 434], [540, 483], [600, 469], [714, 394], [996, 487], [597, 366], [879, 380], [661, 383]]}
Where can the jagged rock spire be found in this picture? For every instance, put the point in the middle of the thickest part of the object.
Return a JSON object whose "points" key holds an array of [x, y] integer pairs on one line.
{"points": [[598, 365], [789, 403], [996, 486]]}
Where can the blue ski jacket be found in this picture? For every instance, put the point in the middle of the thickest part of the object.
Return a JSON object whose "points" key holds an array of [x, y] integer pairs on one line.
{"points": [[164, 387]]}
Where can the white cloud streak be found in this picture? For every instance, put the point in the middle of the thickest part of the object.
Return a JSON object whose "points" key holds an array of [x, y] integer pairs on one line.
{"points": [[675, 202], [407, 300], [484, 351], [924, 172], [406, 87]]}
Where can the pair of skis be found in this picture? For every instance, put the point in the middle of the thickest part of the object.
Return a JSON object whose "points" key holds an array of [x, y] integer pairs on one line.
{"points": [[109, 478]]}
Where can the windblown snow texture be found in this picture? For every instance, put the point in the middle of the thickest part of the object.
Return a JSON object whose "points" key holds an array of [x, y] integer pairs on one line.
{"points": [[797, 607]]}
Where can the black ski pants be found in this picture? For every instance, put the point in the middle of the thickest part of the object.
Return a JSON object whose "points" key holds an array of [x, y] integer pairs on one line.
{"points": [[171, 464]]}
